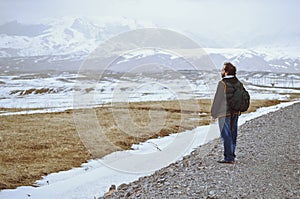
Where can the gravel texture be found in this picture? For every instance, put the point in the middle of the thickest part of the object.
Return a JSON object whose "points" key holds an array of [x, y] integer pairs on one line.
{"points": [[267, 165]]}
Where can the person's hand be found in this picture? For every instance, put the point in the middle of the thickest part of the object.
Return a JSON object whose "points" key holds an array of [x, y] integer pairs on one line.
{"points": [[212, 119]]}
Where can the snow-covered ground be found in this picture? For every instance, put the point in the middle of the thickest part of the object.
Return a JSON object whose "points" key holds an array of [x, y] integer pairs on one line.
{"points": [[52, 93], [49, 93], [93, 179]]}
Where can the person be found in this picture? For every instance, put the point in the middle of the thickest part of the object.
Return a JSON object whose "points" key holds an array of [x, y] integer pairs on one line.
{"points": [[227, 118]]}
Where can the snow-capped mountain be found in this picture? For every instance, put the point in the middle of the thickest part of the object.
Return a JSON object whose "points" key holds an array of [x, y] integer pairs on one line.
{"points": [[59, 37], [246, 60], [65, 43], [257, 60]]}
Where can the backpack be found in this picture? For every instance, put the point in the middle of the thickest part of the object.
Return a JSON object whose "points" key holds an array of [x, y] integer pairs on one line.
{"points": [[240, 100]]}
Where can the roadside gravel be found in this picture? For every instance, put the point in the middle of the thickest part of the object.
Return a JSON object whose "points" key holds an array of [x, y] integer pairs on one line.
{"points": [[267, 166]]}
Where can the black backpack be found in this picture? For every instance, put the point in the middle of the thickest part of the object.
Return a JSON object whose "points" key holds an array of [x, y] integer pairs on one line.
{"points": [[240, 100]]}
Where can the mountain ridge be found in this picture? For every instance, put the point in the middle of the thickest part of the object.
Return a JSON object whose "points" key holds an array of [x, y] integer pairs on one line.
{"points": [[75, 38]]}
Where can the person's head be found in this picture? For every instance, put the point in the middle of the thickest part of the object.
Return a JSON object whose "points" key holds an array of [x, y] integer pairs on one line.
{"points": [[228, 69]]}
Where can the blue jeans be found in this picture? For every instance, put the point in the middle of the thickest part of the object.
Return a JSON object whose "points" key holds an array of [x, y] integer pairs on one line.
{"points": [[229, 135]]}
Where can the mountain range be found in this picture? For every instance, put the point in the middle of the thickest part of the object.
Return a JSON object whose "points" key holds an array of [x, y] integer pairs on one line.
{"points": [[67, 42]]}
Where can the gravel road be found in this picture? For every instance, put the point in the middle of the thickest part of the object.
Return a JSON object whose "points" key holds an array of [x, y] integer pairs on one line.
{"points": [[267, 166]]}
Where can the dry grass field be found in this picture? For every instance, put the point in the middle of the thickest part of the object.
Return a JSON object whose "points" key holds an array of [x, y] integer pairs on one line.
{"points": [[35, 145]]}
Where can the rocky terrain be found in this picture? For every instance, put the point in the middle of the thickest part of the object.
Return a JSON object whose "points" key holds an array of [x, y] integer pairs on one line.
{"points": [[267, 165]]}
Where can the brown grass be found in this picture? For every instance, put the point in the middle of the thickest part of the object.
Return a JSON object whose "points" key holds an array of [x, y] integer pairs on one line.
{"points": [[38, 144], [33, 90]]}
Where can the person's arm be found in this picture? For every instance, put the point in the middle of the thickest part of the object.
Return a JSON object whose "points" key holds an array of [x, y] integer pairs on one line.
{"points": [[218, 99]]}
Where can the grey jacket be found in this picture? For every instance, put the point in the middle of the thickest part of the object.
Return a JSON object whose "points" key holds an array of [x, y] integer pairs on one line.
{"points": [[220, 108]]}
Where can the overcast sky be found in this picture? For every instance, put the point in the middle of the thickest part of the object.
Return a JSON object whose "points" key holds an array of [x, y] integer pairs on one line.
{"points": [[242, 17]]}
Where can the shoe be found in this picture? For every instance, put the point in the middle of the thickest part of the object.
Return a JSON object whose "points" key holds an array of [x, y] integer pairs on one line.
{"points": [[225, 162]]}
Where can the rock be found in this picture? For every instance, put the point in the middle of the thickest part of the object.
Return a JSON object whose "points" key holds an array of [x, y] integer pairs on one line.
{"points": [[122, 186], [111, 190], [212, 193], [127, 194]]}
